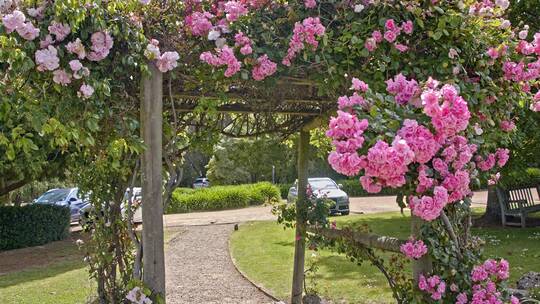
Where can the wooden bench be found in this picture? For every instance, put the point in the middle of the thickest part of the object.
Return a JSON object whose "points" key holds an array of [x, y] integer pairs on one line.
{"points": [[517, 202]]}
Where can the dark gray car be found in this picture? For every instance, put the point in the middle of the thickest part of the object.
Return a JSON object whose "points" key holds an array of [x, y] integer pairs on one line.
{"points": [[325, 187]]}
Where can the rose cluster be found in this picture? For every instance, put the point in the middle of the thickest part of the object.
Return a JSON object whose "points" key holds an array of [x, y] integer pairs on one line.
{"points": [[304, 33], [225, 57], [164, 62], [346, 131], [47, 56], [404, 90], [414, 249], [485, 278], [433, 285], [391, 34], [215, 26]]}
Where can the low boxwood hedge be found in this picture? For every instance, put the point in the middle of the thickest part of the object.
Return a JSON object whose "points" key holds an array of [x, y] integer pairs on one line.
{"points": [[32, 225], [222, 197]]}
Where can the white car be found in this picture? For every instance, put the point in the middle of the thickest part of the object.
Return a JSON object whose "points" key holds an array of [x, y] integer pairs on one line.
{"points": [[201, 182], [325, 187]]}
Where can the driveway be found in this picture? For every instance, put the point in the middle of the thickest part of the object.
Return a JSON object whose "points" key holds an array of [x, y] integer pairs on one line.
{"points": [[359, 205]]}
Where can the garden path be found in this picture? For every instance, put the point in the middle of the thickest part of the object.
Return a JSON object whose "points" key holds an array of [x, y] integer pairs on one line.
{"points": [[200, 270]]}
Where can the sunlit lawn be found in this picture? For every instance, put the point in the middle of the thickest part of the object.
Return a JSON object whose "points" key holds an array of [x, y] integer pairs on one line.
{"points": [[264, 251], [61, 282]]}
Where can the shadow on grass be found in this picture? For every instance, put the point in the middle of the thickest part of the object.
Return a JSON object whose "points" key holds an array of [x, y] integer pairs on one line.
{"points": [[40, 273]]}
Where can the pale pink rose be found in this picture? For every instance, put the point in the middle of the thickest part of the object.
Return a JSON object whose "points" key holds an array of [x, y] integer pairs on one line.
{"points": [[47, 59], [46, 42], [28, 31], [102, 43], [59, 30], [168, 61], [61, 77], [86, 91], [75, 65], [152, 51], [13, 21], [76, 47]]}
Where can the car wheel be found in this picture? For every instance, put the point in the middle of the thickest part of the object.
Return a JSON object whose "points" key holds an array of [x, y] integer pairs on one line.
{"points": [[345, 213]]}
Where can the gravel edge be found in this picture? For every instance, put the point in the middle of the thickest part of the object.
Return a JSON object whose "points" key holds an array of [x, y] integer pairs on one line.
{"points": [[258, 286]]}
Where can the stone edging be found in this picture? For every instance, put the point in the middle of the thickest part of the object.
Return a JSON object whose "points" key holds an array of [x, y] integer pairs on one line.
{"points": [[259, 287]]}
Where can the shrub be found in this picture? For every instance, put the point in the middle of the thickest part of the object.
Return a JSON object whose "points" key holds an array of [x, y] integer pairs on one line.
{"points": [[521, 177], [32, 225], [222, 197], [284, 190]]}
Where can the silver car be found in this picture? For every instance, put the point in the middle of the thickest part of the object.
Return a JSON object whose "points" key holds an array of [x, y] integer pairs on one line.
{"points": [[325, 187]]}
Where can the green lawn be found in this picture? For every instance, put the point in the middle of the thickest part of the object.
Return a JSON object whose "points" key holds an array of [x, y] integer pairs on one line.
{"points": [[64, 281], [264, 251]]}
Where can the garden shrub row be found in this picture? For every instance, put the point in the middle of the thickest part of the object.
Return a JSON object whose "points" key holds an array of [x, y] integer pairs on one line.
{"points": [[353, 188], [222, 197], [32, 225]]}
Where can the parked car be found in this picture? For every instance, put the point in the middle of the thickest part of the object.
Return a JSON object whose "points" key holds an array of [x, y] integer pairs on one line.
{"points": [[325, 187], [201, 182], [84, 212], [68, 197]]}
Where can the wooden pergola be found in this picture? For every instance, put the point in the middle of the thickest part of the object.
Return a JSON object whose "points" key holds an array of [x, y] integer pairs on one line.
{"points": [[291, 106], [285, 107]]}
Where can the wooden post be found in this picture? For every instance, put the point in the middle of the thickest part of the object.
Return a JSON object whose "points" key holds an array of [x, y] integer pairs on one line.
{"points": [[152, 205], [300, 244], [422, 265]]}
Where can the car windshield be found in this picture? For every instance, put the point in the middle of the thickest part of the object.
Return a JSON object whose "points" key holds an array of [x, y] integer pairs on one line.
{"points": [[322, 184], [200, 180], [53, 196]]}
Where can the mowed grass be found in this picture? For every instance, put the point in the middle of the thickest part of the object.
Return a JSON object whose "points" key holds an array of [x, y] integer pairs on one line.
{"points": [[63, 281], [264, 251]]}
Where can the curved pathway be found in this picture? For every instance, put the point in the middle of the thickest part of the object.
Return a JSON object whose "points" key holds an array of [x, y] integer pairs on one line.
{"points": [[200, 270]]}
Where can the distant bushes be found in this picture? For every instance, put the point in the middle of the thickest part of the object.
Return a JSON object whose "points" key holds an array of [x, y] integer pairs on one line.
{"points": [[222, 197], [529, 176], [32, 225]]}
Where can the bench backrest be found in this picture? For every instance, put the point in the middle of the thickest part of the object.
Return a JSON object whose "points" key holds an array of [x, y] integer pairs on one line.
{"points": [[511, 196]]}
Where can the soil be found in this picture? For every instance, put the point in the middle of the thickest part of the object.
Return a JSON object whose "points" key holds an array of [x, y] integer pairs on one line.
{"points": [[40, 256]]}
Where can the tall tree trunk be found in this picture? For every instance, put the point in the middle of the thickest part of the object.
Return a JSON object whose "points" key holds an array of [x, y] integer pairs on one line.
{"points": [[300, 244], [492, 216], [152, 204]]}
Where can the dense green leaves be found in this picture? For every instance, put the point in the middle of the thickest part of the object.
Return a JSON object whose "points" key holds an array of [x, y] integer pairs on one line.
{"points": [[32, 225]]}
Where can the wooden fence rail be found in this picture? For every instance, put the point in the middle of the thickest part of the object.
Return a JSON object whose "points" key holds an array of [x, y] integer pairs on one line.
{"points": [[369, 240]]}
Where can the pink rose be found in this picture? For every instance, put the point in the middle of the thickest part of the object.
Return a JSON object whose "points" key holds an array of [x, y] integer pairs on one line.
{"points": [[61, 77], [13, 21]]}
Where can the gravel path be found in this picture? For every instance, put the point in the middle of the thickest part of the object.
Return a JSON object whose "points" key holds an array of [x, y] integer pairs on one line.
{"points": [[199, 269]]}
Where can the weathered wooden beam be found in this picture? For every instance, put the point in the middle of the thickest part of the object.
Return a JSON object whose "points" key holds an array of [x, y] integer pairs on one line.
{"points": [[239, 98], [152, 205], [300, 242], [424, 264], [245, 109], [369, 240]]}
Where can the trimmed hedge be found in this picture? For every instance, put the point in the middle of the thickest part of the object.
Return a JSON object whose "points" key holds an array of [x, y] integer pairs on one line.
{"points": [[222, 197], [32, 225]]}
